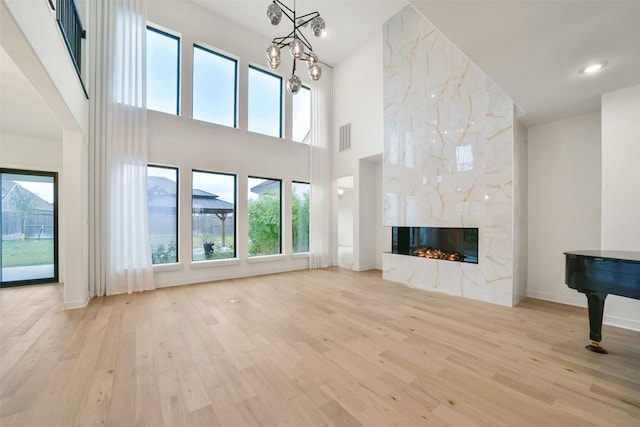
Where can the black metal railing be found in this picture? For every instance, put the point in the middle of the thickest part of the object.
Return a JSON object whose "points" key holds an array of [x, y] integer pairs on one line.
{"points": [[71, 27]]}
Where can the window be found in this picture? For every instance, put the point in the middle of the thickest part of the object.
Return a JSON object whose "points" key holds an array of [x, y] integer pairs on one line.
{"points": [[162, 200], [213, 212], [301, 114], [300, 216], [29, 225], [264, 216], [214, 87], [265, 102], [163, 71]]}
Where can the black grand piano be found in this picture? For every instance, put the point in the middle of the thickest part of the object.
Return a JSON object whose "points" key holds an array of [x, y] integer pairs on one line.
{"points": [[597, 274]]}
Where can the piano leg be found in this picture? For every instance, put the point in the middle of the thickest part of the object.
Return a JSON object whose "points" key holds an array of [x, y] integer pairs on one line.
{"points": [[596, 311]]}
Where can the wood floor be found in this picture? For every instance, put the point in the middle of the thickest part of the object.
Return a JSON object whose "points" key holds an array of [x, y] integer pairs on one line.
{"points": [[326, 347]]}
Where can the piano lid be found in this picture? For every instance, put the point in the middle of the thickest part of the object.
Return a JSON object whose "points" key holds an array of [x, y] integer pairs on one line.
{"points": [[629, 256]]}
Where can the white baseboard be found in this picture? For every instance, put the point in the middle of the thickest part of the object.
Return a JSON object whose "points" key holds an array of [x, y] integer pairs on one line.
{"points": [[365, 268], [578, 300], [634, 325], [581, 301], [76, 304]]}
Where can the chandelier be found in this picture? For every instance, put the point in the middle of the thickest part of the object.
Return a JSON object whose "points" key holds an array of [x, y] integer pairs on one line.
{"points": [[299, 46]]}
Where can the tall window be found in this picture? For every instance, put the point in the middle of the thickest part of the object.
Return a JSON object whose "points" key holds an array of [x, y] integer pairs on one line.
{"points": [[301, 114], [213, 213], [265, 102], [162, 199], [265, 216], [163, 71], [300, 216], [29, 227], [214, 87]]}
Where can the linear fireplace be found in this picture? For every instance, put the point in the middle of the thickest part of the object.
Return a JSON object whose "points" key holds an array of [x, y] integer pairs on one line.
{"points": [[451, 244]]}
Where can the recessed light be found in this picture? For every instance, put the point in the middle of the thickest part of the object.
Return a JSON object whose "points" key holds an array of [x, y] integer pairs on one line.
{"points": [[593, 68]]}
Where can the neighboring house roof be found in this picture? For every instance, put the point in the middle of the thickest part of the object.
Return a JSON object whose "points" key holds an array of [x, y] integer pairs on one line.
{"points": [[205, 202], [161, 193], [11, 194], [158, 186], [270, 185]]}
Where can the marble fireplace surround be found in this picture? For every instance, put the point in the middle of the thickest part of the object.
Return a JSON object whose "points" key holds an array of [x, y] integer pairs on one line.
{"points": [[449, 160]]}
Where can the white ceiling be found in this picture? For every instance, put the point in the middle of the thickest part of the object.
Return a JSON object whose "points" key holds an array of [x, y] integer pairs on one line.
{"points": [[22, 110], [531, 49], [349, 22]]}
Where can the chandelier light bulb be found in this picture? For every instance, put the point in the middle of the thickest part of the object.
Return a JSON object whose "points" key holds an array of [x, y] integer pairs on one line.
{"points": [[315, 71], [296, 48], [317, 26], [273, 51], [313, 59], [294, 84], [274, 13], [274, 63]]}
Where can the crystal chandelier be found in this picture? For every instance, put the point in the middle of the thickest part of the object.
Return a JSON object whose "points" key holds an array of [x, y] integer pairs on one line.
{"points": [[299, 46]]}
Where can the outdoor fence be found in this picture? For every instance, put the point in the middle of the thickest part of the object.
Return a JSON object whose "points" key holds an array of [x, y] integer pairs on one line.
{"points": [[16, 225]]}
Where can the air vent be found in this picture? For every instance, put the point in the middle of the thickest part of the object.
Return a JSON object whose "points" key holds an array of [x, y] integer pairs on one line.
{"points": [[345, 137]]}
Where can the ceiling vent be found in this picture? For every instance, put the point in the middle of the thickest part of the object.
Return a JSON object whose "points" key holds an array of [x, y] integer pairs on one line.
{"points": [[345, 137]]}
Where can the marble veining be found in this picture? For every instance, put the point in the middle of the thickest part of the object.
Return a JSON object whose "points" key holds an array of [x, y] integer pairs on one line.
{"points": [[448, 159]]}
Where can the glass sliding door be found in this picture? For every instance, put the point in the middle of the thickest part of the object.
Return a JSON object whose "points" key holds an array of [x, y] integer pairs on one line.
{"points": [[29, 227]]}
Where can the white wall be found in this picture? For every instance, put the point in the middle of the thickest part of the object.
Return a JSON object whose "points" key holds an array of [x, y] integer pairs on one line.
{"points": [[24, 152], [367, 225], [358, 101], [564, 202], [620, 193], [188, 144], [31, 37]]}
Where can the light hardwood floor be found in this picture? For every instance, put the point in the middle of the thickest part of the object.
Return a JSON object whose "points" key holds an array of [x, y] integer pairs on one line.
{"points": [[307, 348]]}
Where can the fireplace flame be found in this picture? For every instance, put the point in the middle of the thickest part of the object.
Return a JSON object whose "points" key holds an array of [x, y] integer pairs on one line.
{"points": [[437, 254]]}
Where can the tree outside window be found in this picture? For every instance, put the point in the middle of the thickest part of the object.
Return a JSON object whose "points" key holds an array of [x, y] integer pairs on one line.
{"points": [[300, 216], [265, 216]]}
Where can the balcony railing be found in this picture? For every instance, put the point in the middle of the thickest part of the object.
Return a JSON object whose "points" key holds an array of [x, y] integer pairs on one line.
{"points": [[71, 27]]}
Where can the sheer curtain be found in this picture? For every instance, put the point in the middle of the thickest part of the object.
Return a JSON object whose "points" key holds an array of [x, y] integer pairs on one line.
{"points": [[120, 254], [320, 161]]}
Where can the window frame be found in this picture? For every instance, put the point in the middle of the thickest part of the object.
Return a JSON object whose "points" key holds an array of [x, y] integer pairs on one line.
{"points": [[156, 29], [309, 231], [56, 228], [235, 216], [177, 170], [281, 234], [281, 93], [235, 81]]}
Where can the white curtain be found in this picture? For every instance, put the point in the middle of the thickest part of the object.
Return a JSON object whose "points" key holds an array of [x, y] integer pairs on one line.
{"points": [[120, 254], [320, 212]]}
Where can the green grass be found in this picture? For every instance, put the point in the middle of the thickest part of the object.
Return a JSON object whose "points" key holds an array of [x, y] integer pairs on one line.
{"points": [[22, 253]]}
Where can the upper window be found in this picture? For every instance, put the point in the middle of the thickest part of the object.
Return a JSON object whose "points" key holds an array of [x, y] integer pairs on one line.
{"points": [[301, 115], [265, 216], [162, 200], [163, 71], [214, 87], [213, 211], [265, 102]]}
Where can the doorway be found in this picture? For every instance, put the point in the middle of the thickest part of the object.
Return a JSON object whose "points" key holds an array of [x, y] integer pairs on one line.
{"points": [[345, 221], [29, 227]]}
